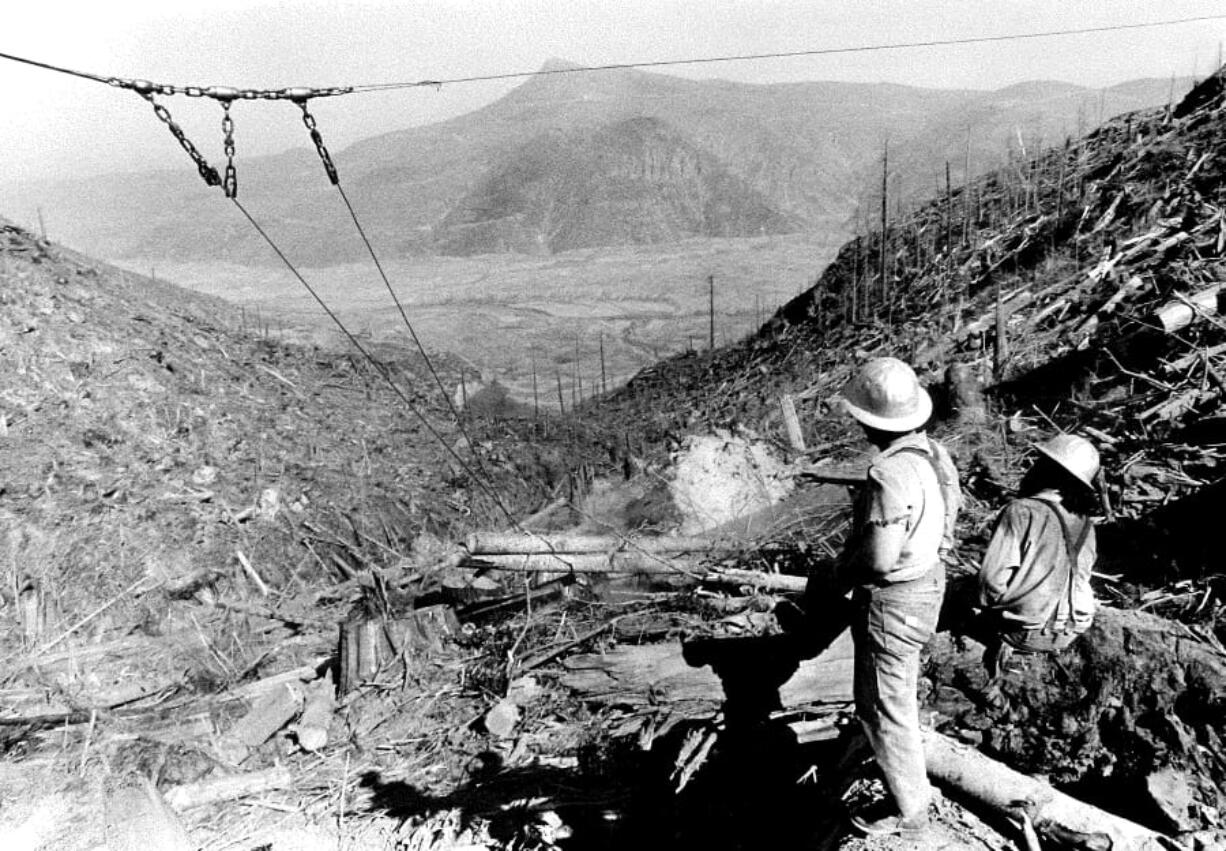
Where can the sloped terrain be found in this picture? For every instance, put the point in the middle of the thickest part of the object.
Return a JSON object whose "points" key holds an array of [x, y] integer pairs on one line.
{"points": [[1082, 290], [638, 181], [184, 506], [810, 151], [190, 511]]}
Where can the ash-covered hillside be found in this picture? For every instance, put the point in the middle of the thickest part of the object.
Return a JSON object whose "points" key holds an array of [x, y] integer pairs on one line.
{"points": [[635, 182], [783, 156]]}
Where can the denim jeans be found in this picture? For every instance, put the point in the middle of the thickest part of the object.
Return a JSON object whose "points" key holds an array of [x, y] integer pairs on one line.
{"points": [[891, 626]]}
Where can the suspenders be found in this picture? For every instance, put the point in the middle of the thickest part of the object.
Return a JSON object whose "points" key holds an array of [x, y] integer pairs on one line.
{"points": [[1072, 549], [942, 484]]}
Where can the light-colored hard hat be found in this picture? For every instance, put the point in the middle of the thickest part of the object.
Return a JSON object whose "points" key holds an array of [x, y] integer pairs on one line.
{"points": [[887, 396], [1075, 454]]}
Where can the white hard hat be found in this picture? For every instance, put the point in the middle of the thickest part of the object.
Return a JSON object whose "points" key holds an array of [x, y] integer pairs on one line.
{"points": [[887, 396], [1075, 454]]}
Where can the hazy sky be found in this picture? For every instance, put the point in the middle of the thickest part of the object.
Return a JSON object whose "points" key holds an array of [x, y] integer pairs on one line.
{"points": [[54, 125]]}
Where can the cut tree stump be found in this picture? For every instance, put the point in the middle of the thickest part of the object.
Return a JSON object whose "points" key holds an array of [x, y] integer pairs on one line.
{"points": [[370, 642], [965, 392]]}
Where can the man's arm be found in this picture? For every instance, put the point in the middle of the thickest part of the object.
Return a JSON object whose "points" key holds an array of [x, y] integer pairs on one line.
{"points": [[1002, 559], [874, 548]]}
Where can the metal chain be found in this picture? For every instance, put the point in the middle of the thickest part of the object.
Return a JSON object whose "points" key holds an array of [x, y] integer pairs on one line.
{"points": [[202, 165], [226, 93], [324, 156], [230, 182]]}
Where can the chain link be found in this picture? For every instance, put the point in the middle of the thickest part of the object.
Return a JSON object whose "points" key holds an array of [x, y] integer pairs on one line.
{"points": [[230, 182], [225, 93], [324, 156], [206, 171]]}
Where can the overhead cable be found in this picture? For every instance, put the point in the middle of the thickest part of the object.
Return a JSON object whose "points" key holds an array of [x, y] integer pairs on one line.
{"points": [[296, 93], [787, 54]]}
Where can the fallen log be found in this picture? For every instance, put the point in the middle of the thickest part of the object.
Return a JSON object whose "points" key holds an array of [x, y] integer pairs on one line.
{"points": [[229, 788], [1055, 815], [757, 579], [1008, 306], [136, 818], [631, 564], [521, 543], [312, 726], [268, 714], [713, 674], [565, 562], [1178, 314]]}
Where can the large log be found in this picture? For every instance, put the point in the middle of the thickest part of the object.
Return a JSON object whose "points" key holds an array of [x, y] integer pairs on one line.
{"points": [[646, 564], [766, 581], [522, 543], [710, 674], [1012, 794], [620, 562], [228, 788], [136, 817]]}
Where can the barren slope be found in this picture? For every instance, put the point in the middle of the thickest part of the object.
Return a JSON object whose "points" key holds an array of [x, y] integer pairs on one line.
{"points": [[809, 150]]}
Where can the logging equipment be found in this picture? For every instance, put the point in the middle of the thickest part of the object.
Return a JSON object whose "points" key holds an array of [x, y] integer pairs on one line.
{"points": [[887, 396]]}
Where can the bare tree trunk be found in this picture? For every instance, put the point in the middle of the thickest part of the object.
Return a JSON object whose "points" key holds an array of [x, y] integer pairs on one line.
{"points": [[885, 175]]}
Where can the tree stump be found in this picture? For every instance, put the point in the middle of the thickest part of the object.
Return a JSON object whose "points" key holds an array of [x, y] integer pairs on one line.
{"points": [[371, 642], [965, 393]]}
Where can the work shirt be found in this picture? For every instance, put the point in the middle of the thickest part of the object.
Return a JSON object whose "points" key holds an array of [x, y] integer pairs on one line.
{"points": [[903, 488], [1025, 573]]}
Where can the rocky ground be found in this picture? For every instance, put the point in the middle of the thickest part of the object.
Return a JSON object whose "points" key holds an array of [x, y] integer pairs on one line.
{"points": [[206, 529]]}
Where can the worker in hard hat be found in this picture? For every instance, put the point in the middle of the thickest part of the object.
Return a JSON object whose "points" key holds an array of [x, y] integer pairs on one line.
{"points": [[1034, 582], [902, 522]]}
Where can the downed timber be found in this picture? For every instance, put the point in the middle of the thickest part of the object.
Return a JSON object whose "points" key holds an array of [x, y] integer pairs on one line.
{"points": [[136, 817], [228, 788], [564, 562], [267, 715], [521, 543], [1178, 314], [768, 672], [766, 581], [629, 564], [1007, 308], [1055, 815]]}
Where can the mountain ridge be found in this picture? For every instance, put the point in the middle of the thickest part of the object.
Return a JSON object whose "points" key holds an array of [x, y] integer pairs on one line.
{"points": [[810, 149]]}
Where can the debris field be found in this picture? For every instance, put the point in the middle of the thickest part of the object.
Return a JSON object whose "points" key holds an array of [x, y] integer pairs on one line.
{"points": [[249, 603]]}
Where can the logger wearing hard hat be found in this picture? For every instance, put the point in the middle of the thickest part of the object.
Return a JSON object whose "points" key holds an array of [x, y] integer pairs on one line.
{"points": [[1034, 583], [902, 522]]}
